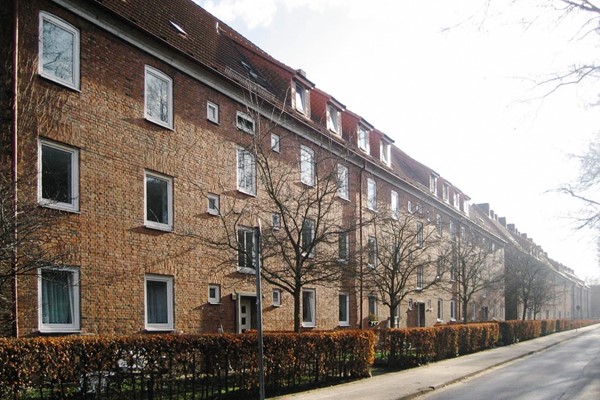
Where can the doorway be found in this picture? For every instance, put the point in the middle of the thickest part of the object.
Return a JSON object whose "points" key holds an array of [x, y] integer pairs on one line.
{"points": [[246, 313]]}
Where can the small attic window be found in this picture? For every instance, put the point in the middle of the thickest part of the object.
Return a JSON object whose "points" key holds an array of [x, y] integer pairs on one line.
{"points": [[250, 70], [178, 28]]}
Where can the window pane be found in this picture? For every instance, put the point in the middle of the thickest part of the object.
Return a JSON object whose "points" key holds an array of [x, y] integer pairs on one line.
{"points": [[57, 297], [157, 98], [56, 175], [342, 181], [343, 308], [57, 51], [246, 172], [157, 200], [308, 304], [157, 302]]}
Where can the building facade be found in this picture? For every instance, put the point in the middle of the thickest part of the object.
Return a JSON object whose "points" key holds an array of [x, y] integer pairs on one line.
{"points": [[155, 137]]}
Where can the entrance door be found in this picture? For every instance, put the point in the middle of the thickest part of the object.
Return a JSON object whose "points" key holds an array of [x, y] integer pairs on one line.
{"points": [[246, 313], [420, 314]]}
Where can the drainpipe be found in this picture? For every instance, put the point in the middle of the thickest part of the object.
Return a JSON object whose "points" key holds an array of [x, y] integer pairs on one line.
{"points": [[15, 165], [360, 240]]}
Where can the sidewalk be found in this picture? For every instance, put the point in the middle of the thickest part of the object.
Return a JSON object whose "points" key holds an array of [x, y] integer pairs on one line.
{"points": [[412, 382]]}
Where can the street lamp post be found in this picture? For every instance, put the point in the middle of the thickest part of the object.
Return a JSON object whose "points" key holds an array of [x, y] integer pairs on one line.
{"points": [[261, 372]]}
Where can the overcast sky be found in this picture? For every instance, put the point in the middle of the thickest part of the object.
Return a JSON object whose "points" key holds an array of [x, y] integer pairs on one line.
{"points": [[454, 84]]}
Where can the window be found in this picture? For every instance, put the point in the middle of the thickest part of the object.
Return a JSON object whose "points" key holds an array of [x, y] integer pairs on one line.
{"points": [[159, 302], [212, 112], [371, 252], [433, 181], [276, 296], [363, 139], [440, 268], [452, 270], [58, 58], [372, 306], [452, 310], [58, 291], [245, 237], [214, 294], [58, 178], [439, 225], [334, 119], [158, 197], [420, 234], [419, 208], [409, 207], [342, 181], [446, 192], [456, 200], [307, 166], [246, 172], [385, 152], [158, 97], [371, 194], [419, 277], [440, 310], [275, 221], [300, 99], [308, 237], [344, 309], [275, 143], [213, 204], [343, 246], [394, 204], [244, 122], [308, 308], [452, 230]]}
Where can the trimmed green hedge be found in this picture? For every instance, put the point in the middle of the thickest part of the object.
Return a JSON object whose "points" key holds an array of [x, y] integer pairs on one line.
{"points": [[179, 366]]}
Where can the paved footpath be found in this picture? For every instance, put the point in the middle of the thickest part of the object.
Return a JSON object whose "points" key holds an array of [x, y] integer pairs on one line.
{"points": [[413, 382]]}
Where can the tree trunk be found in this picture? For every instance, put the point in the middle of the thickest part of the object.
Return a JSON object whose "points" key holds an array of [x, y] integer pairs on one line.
{"points": [[524, 310], [465, 309], [297, 310]]}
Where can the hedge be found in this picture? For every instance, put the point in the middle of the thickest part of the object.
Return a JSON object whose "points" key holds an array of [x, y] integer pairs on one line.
{"points": [[179, 366]]}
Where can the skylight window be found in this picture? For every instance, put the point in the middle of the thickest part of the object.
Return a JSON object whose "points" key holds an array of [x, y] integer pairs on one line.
{"points": [[178, 28]]}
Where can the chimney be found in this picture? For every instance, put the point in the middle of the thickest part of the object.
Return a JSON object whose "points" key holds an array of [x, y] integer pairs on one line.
{"points": [[524, 235], [502, 221], [301, 72], [511, 227], [485, 207]]}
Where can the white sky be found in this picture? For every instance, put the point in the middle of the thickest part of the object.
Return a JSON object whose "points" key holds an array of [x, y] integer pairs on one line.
{"points": [[462, 100]]}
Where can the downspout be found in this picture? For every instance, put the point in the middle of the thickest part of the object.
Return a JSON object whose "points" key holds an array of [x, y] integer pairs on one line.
{"points": [[15, 166], [360, 240]]}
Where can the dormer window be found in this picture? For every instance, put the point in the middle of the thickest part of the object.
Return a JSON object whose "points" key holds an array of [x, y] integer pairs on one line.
{"points": [[446, 192], [334, 119], [457, 200], [363, 138], [300, 98], [385, 152], [433, 184]]}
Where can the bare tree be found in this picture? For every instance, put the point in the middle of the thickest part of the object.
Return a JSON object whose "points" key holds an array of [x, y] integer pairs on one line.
{"points": [[531, 280], [472, 266], [404, 257], [294, 186]]}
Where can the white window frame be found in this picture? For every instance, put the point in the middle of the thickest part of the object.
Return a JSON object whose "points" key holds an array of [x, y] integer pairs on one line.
{"points": [[384, 152], [308, 242], [74, 82], [169, 325], [346, 305], [343, 247], [213, 203], [212, 112], [372, 306], [452, 310], [312, 321], [75, 325], [363, 138], [343, 182], [420, 272], [157, 74], [246, 170], [276, 297], [371, 194], [446, 192], [168, 226], [371, 252], [457, 200], [439, 225], [275, 143], [275, 221], [216, 297], [307, 165], [248, 235], [242, 120], [300, 98], [72, 206], [334, 119], [394, 204], [433, 184], [409, 207], [420, 238], [440, 310]]}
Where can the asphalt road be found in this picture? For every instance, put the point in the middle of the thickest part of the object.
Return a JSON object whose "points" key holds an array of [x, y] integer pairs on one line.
{"points": [[569, 370]]}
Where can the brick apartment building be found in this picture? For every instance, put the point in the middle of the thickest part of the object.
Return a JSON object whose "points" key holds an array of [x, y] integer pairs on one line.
{"points": [[148, 130]]}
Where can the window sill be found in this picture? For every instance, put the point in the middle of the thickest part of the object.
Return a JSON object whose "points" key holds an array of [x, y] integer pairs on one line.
{"points": [[306, 325], [168, 126], [246, 193], [156, 227], [344, 324], [59, 331], [59, 206], [158, 330], [214, 303], [67, 85], [246, 270]]}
